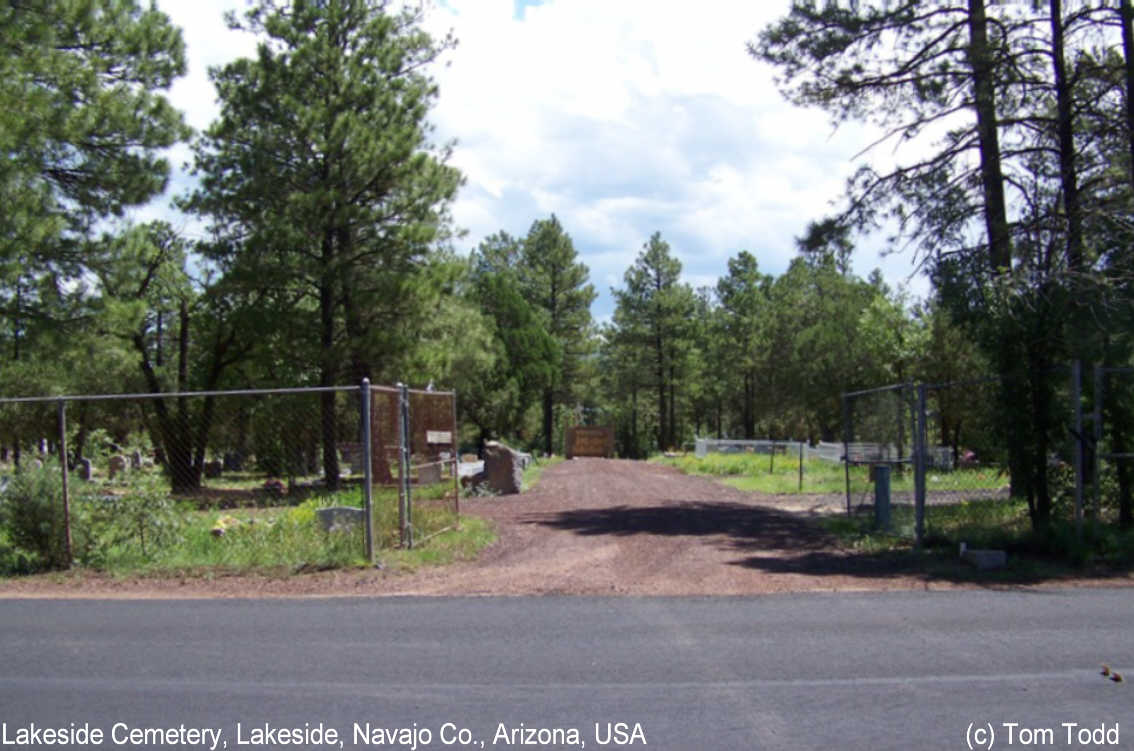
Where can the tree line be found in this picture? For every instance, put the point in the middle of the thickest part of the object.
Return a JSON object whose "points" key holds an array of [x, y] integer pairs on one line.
{"points": [[329, 250]]}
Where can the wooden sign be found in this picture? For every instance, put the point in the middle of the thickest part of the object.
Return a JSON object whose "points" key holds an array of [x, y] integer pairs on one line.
{"points": [[590, 441]]}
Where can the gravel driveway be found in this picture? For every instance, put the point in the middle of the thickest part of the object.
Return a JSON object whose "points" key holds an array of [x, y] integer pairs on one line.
{"points": [[593, 526]]}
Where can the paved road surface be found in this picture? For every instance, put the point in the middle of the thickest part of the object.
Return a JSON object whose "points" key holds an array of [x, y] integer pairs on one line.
{"points": [[898, 670]]}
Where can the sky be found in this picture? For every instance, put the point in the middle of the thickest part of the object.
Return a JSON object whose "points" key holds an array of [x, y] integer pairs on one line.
{"points": [[621, 118]]}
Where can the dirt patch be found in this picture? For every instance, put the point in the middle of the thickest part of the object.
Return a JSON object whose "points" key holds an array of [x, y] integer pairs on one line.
{"points": [[593, 526]]}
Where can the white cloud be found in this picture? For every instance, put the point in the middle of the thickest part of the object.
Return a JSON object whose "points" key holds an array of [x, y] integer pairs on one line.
{"points": [[622, 118]]}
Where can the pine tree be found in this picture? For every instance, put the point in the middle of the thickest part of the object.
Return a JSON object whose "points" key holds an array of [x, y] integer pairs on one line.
{"points": [[322, 182]]}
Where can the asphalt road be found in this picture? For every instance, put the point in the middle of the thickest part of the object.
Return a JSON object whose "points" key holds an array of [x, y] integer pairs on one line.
{"points": [[872, 671]]}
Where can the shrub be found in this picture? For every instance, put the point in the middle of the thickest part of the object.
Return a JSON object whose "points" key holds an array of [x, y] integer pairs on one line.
{"points": [[145, 515], [31, 517]]}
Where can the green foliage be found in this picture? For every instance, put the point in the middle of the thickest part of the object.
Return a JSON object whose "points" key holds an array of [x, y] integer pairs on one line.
{"points": [[83, 122], [1016, 192], [336, 237], [761, 473], [555, 284], [31, 520], [1000, 525], [143, 520], [652, 321]]}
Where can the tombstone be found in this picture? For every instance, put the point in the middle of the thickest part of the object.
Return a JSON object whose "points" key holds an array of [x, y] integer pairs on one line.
{"points": [[502, 468], [352, 457], [136, 460], [117, 464], [43, 446], [429, 474], [340, 518], [233, 461], [85, 469], [213, 469]]}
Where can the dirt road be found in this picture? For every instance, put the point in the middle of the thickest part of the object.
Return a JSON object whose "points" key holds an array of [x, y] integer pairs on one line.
{"points": [[598, 526], [592, 526]]}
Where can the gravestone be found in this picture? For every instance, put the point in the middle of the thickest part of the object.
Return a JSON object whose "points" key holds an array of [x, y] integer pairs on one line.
{"points": [[352, 457], [85, 469], [340, 518], [117, 464], [233, 461], [429, 474], [503, 469], [213, 469], [136, 460]]}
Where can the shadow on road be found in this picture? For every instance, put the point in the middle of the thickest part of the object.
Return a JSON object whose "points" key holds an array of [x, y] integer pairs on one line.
{"points": [[783, 542], [752, 526]]}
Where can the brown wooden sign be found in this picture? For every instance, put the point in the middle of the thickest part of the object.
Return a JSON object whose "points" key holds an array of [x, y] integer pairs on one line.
{"points": [[589, 441]]}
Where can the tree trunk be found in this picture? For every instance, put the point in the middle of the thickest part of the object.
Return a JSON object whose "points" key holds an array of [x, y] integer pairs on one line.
{"points": [[1041, 398], [660, 368], [1065, 127], [1128, 57], [634, 421], [672, 435], [549, 420], [329, 367], [749, 407], [1118, 419], [992, 178]]}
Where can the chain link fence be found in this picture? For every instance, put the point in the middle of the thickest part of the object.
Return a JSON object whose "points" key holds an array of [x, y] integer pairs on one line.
{"points": [[389, 453], [778, 466], [1111, 455], [879, 427], [948, 444]]}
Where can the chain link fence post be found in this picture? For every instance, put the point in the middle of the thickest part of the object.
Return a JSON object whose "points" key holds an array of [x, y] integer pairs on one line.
{"points": [[846, 447], [405, 438], [66, 494], [1077, 443], [367, 469], [1097, 432], [920, 442], [456, 461]]}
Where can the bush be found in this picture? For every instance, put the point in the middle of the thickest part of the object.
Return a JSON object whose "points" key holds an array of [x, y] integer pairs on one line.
{"points": [[31, 517], [146, 515]]}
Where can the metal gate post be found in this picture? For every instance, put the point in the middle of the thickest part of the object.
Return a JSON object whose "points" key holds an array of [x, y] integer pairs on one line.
{"points": [[66, 489], [1077, 443], [920, 440], [1096, 474], [456, 460], [368, 469], [846, 447], [405, 510]]}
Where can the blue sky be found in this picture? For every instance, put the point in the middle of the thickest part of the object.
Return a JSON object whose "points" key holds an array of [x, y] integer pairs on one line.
{"points": [[622, 118]]}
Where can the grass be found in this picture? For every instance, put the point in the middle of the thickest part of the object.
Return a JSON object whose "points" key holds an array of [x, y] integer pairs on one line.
{"points": [[1001, 524], [143, 531], [760, 473], [535, 470]]}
